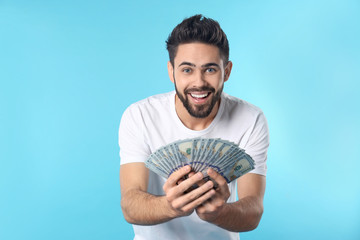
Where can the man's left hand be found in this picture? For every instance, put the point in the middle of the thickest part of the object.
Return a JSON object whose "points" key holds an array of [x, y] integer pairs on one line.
{"points": [[211, 209]]}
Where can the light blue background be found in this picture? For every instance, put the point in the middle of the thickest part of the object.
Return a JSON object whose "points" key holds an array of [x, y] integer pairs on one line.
{"points": [[68, 70]]}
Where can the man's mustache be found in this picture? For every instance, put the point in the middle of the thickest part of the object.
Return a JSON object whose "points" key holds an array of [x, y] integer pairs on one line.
{"points": [[202, 89]]}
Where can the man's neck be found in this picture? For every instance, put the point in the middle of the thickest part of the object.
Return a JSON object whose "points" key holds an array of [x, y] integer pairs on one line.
{"points": [[191, 122]]}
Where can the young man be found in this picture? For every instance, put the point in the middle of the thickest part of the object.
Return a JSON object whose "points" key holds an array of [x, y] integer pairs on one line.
{"points": [[169, 208]]}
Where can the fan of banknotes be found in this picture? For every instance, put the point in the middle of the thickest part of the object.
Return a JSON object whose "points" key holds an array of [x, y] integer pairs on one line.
{"points": [[201, 153]]}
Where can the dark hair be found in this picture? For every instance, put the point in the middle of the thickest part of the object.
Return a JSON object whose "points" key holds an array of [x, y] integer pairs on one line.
{"points": [[198, 29]]}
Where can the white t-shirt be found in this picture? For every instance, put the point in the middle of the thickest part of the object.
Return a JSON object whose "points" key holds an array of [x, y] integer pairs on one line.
{"points": [[152, 123]]}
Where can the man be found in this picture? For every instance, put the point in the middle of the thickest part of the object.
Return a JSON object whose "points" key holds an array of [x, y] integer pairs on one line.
{"points": [[169, 208]]}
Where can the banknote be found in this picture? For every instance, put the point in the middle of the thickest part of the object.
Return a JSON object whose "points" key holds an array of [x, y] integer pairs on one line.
{"points": [[225, 157]]}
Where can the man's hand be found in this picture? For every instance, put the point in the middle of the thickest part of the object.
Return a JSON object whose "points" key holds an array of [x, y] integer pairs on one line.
{"points": [[181, 202], [210, 209]]}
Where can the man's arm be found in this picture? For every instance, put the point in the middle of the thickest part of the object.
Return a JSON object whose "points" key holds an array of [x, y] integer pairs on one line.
{"points": [[242, 215], [140, 207]]}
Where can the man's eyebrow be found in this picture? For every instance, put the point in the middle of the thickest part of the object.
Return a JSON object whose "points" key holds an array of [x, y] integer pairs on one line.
{"points": [[203, 66], [210, 65], [187, 63]]}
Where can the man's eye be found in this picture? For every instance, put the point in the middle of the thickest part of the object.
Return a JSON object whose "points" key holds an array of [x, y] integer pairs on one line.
{"points": [[186, 70], [210, 70]]}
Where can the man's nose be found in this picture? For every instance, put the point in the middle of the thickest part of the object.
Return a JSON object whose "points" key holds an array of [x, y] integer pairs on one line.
{"points": [[199, 78]]}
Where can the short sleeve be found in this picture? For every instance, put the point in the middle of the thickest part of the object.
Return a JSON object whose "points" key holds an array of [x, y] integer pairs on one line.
{"points": [[258, 144], [131, 137]]}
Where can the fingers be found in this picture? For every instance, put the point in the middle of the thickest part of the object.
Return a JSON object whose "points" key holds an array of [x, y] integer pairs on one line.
{"points": [[185, 177], [176, 176], [194, 198], [183, 198], [220, 180], [211, 208], [183, 202], [175, 189], [200, 200], [188, 183]]}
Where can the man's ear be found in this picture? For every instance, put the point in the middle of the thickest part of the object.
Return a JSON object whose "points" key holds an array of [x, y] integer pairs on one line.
{"points": [[170, 71], [228, 68]]}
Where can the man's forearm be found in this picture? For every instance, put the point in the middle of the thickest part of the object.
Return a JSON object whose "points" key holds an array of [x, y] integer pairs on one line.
{"points": [[241, 216], [140, 207], [145, 209]]}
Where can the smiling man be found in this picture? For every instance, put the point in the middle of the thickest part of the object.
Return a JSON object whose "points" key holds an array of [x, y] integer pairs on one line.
{"points": [[199, 73], [170, 208]]}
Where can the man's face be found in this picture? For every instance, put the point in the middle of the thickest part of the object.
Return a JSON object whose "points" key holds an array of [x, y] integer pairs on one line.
{"points": [[199, 75]]}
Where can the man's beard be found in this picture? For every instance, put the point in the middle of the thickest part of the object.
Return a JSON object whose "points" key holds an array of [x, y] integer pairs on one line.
{"points": [[203, 110]]}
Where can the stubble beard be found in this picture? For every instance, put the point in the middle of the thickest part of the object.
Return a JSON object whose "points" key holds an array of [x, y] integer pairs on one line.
{"points": [[197, 110]]}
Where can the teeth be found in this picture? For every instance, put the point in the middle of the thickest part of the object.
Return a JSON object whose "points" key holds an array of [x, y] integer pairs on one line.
{"points": [[198, 95]]}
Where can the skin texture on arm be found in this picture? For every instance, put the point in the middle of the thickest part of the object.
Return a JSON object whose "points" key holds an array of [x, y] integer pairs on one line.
{"points": [[142, 208], [137, 205], [242, 215]]}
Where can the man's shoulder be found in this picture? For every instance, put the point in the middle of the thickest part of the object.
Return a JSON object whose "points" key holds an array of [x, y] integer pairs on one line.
{"points": [[239, 105], [149, 108], [153, 101]]}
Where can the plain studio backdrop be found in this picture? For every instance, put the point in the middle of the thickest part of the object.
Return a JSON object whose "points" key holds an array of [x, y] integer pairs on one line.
{"points": [[68, 70]]}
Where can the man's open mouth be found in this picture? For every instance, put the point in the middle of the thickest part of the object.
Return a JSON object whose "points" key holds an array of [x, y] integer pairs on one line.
{"points": [[204, 95], [199, 97]]}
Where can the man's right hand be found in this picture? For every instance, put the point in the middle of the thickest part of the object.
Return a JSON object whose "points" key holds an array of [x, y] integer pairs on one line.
{"points": [[181, 201]]}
